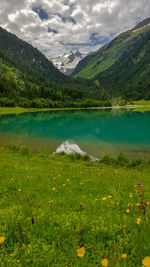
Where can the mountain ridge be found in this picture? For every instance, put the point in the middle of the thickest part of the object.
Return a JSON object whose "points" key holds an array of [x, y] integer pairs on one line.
{"points": [[120, 69], [101, 60], [29, 79], [14, 49]]}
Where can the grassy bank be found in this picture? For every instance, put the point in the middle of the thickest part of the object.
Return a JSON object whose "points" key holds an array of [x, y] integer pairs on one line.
{"points": [[63, 211], [141, 102], [18, 110], [144, 105]]}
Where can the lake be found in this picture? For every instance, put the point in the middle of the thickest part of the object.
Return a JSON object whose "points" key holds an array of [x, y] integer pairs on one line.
{"points": [[95, 131]]}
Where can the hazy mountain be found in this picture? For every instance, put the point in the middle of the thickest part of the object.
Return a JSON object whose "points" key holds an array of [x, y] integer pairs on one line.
{"points": [[68, 61]]}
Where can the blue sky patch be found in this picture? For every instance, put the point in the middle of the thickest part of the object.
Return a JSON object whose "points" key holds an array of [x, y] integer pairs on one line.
{"points": [[41, 12], [95, 39], [52, 30], [66, 19]]}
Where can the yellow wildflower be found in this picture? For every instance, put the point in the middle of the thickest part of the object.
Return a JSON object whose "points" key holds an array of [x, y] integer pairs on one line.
{"points": [[2, 239], [53, 188], [104, 262], [109, 196], [127, 211], [19, 190], [148, 202], [146, 262], [130, 195], [81, 252], [124, 256], [64, 185], [138, 204], [138, 221], [104, 198]]}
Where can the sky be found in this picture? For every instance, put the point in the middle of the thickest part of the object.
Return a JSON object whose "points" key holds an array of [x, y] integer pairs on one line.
{"points": [[59, 26]]}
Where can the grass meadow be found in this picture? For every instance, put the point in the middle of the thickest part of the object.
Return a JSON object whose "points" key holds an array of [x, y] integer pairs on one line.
{"points": [[58, 210]]}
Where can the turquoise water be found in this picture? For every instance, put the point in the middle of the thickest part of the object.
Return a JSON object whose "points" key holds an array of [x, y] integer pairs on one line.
{"points": [[92, 129]]}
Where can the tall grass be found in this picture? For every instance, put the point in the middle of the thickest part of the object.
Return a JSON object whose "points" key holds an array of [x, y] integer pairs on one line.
{"points": [[53, 208]]}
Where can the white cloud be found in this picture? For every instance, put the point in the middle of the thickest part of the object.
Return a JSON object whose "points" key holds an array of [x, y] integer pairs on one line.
{"points": [[70, 24]]}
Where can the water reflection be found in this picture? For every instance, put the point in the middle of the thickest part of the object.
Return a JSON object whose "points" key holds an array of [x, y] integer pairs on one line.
{"points": [[112, 126]]}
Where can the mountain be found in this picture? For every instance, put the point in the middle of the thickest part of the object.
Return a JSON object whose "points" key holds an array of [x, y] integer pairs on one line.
{"points": [[16, 52], [68, 61], [29, 79], [25, 73], [121, 67], [106, 56]]}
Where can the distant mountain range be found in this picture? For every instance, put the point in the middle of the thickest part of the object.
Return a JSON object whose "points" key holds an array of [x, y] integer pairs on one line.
{"points": [[120, 69], [68, 61], [28, 78]]}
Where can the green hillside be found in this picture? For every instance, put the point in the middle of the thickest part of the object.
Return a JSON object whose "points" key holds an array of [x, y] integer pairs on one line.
{"points": [[119, 69], [122, 66], [110, 53], [129, 76], [29, 79], [29, 60]]}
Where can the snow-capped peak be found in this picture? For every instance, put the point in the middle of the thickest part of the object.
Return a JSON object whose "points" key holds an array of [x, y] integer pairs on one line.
{"points": [[68, 61], [66, 55]]}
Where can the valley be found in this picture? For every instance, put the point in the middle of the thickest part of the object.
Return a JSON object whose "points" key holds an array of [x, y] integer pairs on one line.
{"points": [[74, 134]]}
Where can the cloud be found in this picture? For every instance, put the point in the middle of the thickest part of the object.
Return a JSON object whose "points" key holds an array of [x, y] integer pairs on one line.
{"points": [[57, 26]]}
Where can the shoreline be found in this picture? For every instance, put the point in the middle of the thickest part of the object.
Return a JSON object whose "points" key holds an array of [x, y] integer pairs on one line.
{"points": [[122, 107], [19, 110], [27, 149], [93, 148]]}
